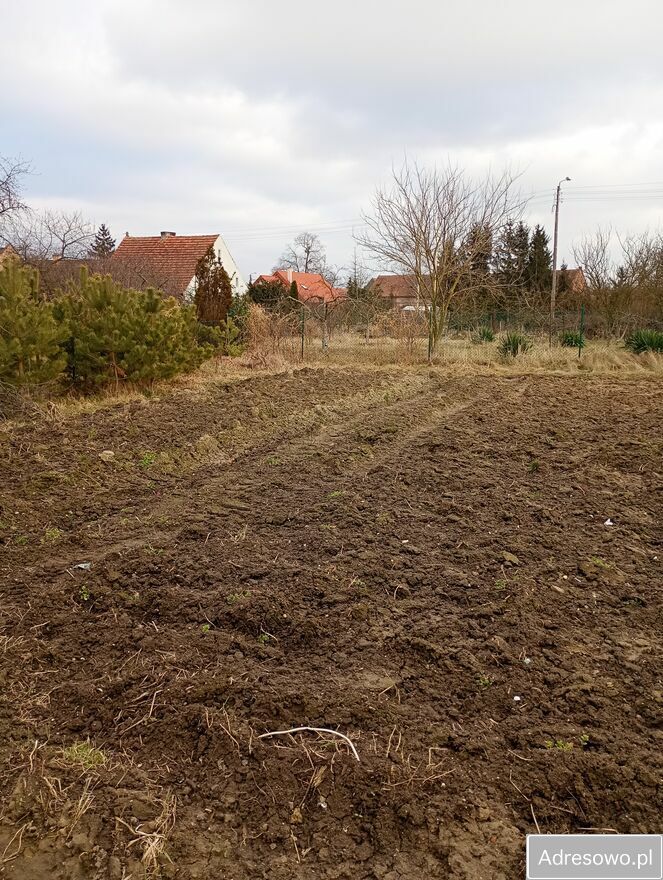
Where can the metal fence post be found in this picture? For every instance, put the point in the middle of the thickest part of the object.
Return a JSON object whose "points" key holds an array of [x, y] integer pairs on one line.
{"points": [[581, 337], [303, 328]]}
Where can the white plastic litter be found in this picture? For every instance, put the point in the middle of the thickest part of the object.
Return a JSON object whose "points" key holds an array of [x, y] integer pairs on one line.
{"points": [[608, 522]]}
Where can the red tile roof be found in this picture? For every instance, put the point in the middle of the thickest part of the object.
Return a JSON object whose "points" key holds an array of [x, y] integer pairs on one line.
{"points": [[168, 262], [395, 287], [310, 285]]}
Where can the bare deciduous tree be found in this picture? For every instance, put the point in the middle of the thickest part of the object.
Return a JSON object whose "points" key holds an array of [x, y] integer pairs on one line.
{"points": [[424, 223], [623, 290], [592, 254], [12, 173], [305, 254], [51, 235]]}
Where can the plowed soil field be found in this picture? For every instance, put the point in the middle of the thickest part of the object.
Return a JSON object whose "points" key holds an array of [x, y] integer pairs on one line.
{"points": [[461, 575]]}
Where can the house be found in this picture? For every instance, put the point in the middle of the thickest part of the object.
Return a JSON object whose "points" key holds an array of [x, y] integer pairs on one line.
{"points": [[574, 279], [168, 261], [311, 286], [399, 291]]}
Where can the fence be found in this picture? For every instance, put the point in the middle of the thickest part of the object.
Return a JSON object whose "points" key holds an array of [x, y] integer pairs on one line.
{"points": [[345, 332]]}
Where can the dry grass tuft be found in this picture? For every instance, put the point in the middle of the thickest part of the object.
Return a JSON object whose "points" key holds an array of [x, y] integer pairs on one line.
{"points": [[153, 842]]}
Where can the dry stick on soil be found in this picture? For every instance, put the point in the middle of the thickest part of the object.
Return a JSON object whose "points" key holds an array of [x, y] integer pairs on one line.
{"points": [[538, 830], [8, 858], [314, 730]]}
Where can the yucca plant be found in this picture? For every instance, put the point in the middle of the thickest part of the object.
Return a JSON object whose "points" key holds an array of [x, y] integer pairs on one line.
{"points": [[483, 334], [514, 344], [572, 339], [644, 340]]}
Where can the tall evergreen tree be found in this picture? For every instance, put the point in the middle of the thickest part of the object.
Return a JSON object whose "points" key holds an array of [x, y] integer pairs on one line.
{"points": [[103, 244], [539, 261], [213, 293], [563, 284], [510, 260]]}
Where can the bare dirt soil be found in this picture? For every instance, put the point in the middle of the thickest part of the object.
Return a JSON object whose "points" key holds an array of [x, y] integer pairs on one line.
{"points": [[418, 561]]}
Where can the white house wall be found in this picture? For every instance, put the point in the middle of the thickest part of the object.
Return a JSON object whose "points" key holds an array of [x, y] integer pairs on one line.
{"points": [[238, 283]]}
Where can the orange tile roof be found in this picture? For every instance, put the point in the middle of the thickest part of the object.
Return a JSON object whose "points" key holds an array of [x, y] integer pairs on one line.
{"points": [[310, 285], [167, 261]]}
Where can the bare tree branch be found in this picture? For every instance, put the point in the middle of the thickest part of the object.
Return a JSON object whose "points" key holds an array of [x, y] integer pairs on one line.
{"points": [[425, 223]]}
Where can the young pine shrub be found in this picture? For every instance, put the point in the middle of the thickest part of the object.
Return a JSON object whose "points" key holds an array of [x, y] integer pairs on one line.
{"points": [[30, 337], [483, 334], [116, 334], [514, 344], [572, 339], [224, 338], [641, 341]]}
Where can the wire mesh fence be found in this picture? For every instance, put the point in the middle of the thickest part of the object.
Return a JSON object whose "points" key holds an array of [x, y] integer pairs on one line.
{"points": [[345, 333]]}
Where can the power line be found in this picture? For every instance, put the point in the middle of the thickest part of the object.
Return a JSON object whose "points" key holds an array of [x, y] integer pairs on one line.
{"points": [[590, 193]]}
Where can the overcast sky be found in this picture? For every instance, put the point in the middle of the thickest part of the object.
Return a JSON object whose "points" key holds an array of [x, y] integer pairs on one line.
{"points": [[259, 119]]}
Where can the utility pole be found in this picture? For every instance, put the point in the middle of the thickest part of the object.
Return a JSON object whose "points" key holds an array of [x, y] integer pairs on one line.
{"points": [[553, 289]]}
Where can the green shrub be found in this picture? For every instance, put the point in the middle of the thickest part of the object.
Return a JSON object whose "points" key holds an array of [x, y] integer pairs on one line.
{"points": [[225, 338], [117, 334], [30, 337], [645, 340], [483, 334], [572, 339], [514, 344]]}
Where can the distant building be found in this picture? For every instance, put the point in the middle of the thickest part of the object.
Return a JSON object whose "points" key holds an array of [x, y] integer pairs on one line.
{"points": [[573, 278], [311, 286], [168, 261], [398, 291]]}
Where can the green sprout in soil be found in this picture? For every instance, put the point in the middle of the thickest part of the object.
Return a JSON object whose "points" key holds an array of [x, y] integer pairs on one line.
{"points": [[600, 563], [534, 466], [237, 597], [501, 584], [336, 494], [264, 638], [147, 459], [84, 593], [484, 681], [84, 754], [273, 460], [52, 535], [560, 744], [584, 740], [21, 540], [205, 627]]}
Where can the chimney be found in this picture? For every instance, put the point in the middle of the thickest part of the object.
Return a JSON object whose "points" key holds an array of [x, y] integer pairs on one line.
{"points": [[166, 234], [289, 276]]}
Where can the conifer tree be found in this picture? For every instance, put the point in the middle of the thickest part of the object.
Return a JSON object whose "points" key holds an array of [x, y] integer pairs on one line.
{"points": [[563, 285], [103, 244], [30, 337], [510, 260], [213, 290], [539, 261], [265, 293], [118, 334]]}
